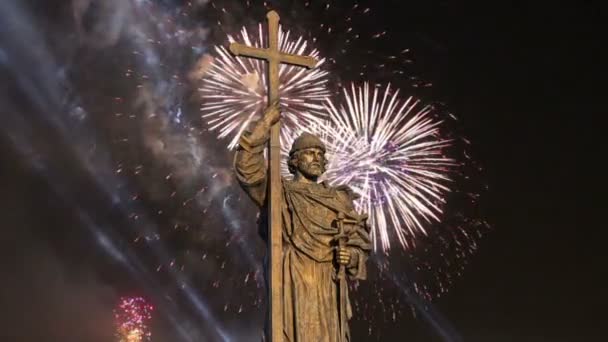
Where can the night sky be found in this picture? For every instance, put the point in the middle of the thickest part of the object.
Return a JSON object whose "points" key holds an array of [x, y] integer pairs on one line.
{"points": [[523, 81]]}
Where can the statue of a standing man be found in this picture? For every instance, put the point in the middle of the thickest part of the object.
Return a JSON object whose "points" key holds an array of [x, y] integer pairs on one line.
{"points": [[311, 254]]}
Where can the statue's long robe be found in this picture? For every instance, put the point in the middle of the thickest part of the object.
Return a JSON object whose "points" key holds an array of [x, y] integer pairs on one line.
{"points": [[310, 285]]}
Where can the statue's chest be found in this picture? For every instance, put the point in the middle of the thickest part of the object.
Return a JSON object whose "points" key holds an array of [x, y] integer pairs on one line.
{"points": [[321, 214], [315, 204]]}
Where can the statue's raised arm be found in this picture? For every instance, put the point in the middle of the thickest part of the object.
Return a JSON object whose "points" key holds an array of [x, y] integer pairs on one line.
{"points": [[249, 163]]}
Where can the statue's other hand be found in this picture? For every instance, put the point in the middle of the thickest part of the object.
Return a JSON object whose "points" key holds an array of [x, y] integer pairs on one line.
{"points": [[272, 114], [343, 256]]}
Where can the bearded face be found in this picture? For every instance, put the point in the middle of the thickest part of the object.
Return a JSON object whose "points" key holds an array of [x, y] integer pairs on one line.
{"points": [[311, 162]]}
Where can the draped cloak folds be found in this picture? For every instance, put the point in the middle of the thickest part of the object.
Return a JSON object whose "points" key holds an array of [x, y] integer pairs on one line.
{"points": [[309, 210]]}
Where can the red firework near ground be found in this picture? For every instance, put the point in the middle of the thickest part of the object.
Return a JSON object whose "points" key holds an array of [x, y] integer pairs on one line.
{"points": [[132, 316]]}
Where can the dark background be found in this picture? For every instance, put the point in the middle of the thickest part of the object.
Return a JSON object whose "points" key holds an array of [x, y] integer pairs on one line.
{"points": [[526, 78], [526, 81]]}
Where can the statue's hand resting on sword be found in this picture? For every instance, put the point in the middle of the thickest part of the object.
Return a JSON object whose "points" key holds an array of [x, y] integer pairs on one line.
{"points": [[343, 256]]}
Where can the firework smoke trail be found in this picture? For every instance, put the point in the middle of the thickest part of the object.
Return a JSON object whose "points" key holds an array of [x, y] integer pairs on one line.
{"points": [[132, 317], [173, 141], [235, 88], [169, 134], [41, 87], [161, 98], [112, 244]]}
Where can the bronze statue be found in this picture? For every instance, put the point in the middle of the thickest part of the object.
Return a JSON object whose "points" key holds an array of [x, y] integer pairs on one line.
{"points": [[324, 239], [274, 57]]}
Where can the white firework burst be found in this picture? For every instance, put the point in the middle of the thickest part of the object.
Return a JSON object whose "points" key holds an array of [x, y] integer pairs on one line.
{"points": [[392, 154], [234, 89]]}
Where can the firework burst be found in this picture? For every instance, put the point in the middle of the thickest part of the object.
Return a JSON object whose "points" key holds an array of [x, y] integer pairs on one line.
{"points": [[234, 90], [132, 317], [392, 154]]}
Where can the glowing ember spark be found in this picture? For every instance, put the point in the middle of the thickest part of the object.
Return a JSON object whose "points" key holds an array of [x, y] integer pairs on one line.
{"points": [[234, 90], [392, 154], [131, 317]]}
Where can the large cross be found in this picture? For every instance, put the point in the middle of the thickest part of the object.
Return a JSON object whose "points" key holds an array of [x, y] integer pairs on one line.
{"points": [[274, 57]]}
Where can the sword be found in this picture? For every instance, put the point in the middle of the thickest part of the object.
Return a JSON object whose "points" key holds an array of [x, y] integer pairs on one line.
{"points": [[342, 238]]}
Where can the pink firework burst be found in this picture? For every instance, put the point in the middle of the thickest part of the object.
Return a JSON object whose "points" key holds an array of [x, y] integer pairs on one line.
{"points": [[132, 316]]}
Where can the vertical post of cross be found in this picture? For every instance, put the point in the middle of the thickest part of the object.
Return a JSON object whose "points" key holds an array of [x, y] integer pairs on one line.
{"points": [[276, 238], [274, 58]]}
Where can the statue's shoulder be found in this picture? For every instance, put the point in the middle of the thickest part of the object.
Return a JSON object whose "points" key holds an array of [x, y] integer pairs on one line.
{"points": [[346, 193], [288, 183]]}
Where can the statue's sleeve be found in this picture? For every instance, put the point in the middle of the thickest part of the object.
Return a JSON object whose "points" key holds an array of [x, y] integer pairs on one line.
{"points": [[359, 240], [250, 165], [360, 246]]}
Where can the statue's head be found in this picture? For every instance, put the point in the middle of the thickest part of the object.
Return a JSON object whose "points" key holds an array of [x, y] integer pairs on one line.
{"points": [[307, 156]]}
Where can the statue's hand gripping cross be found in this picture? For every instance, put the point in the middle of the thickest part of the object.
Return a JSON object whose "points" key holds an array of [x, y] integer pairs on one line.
{"points": [[274, 57]]}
